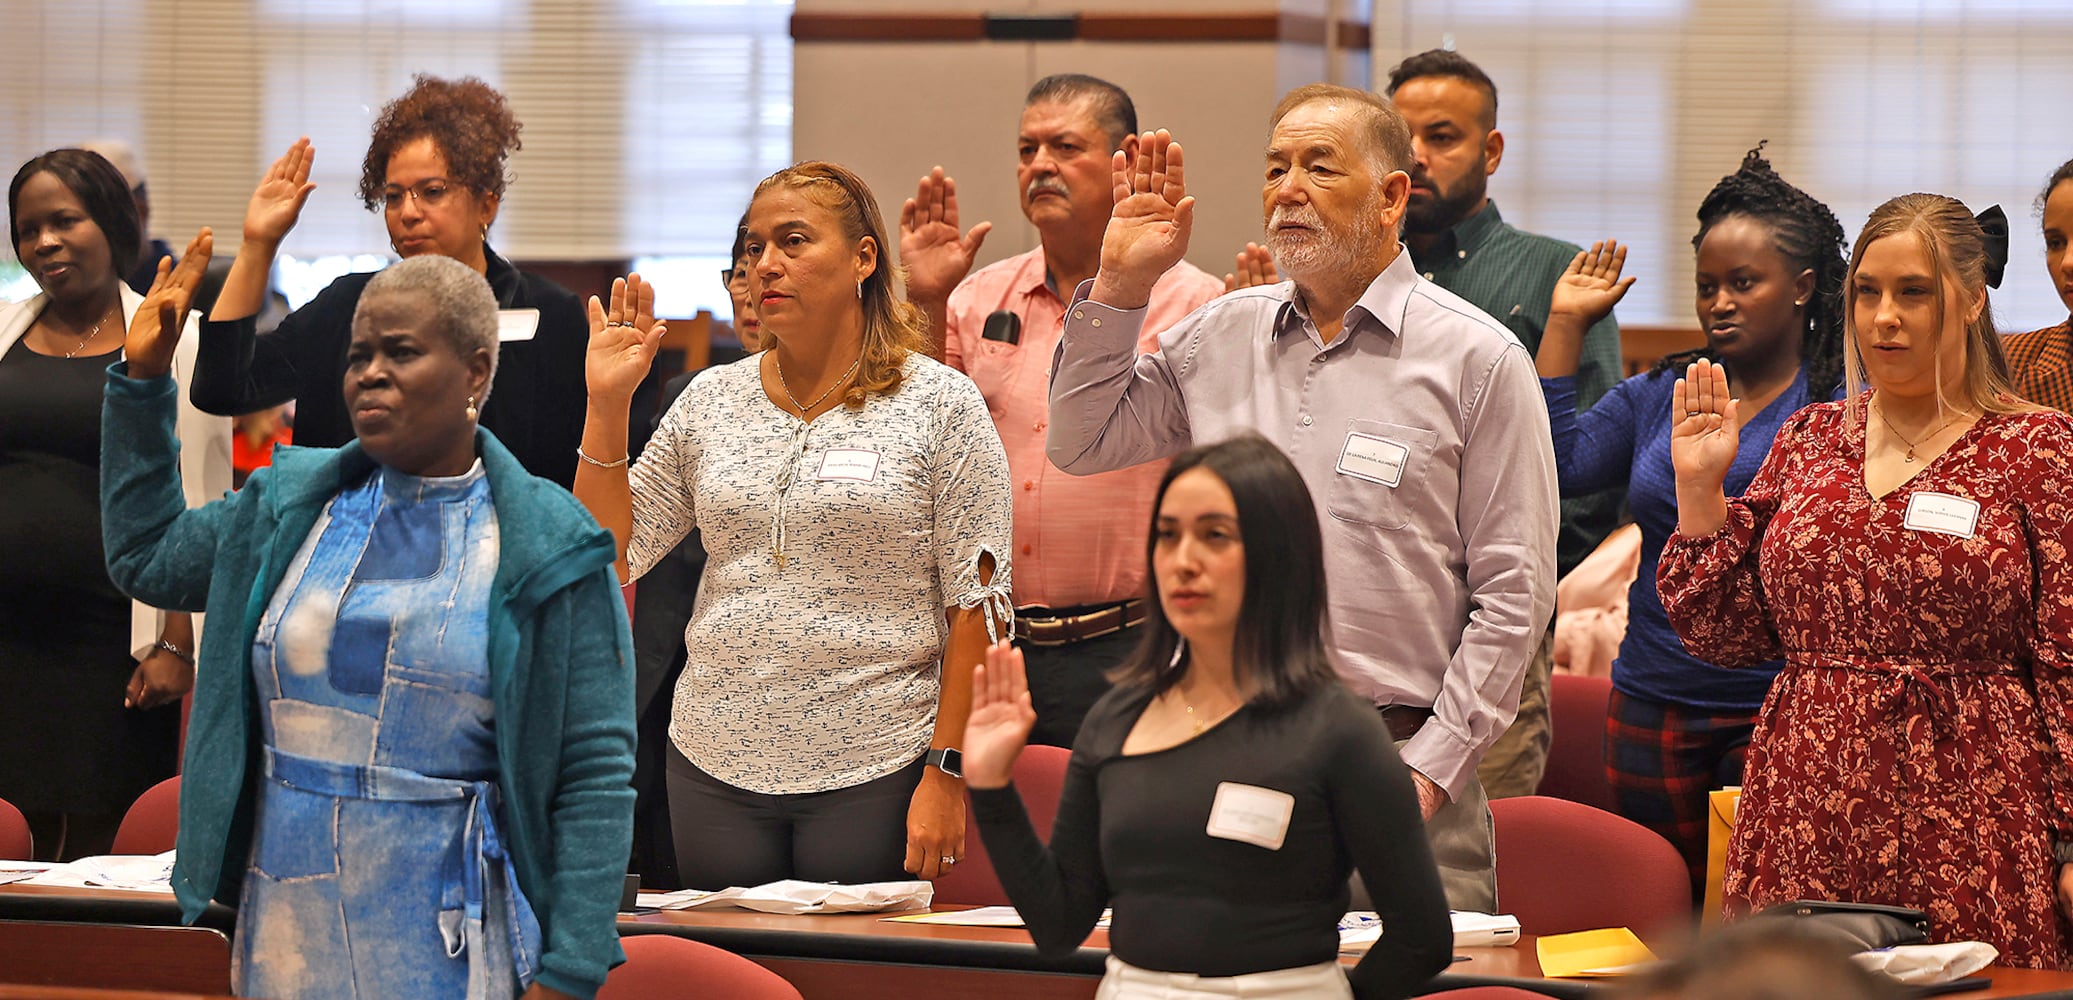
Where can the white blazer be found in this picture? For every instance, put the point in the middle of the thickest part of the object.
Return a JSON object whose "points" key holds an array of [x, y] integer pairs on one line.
{"points": [[204, 441]]}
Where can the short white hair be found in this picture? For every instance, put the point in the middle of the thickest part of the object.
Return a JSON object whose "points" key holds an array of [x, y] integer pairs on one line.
{"points": [[464, 310]]}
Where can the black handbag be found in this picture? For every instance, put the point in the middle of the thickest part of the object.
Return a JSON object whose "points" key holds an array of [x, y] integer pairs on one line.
{"points": [[1861, 926]]}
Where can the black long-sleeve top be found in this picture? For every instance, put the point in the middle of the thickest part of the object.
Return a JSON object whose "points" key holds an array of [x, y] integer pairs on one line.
{"points": [[535, 405], [1132, 833]]}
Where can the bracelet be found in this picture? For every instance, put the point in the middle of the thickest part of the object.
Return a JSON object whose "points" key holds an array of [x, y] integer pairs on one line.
{"points": [[601, 465], [181, 654]]}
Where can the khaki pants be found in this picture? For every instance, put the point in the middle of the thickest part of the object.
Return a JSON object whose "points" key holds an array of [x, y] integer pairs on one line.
{"points": [[1513, 765], [1464, 846]]}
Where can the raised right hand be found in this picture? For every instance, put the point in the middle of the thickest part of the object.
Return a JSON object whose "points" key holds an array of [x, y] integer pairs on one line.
{"points": [[935, 256], [1704, 431], [1255, 266], [1591, 285], [155, 328], [277, 201], [998, 727], [1148, 230], [621, 350]]}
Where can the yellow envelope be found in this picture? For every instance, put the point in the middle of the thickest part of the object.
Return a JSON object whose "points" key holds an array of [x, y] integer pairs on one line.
{"points": [[1720, 825], [1611, 952]]}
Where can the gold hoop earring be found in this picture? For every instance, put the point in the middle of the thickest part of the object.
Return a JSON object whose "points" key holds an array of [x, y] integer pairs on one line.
{"points": [[473, 413]]}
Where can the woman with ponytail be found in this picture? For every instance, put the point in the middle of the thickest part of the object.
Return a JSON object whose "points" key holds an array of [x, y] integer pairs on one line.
{"points": [[1769, 278], [1904, 550]]}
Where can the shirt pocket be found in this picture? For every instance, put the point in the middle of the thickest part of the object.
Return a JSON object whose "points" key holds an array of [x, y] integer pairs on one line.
{"points": [[1380, 471], [993, 366]]}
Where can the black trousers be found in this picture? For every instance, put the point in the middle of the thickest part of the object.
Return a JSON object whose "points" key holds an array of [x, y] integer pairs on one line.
{"points": [[728, 836], [1065, 681]]}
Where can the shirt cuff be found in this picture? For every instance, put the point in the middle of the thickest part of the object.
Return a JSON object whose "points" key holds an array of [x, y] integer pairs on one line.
{"points": [[120, 383], [1093, 322], [1441, 756]]}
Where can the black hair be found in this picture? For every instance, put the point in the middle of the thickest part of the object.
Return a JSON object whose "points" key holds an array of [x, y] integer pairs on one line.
{"points": [[1446, 62], [1279, 652], [99, 187], [2058, 177], [741, 239], [1808, 236], [1112, 108]]}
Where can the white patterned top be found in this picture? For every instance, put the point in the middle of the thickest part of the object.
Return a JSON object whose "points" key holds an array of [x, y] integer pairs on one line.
{"points": [[833, 550]]}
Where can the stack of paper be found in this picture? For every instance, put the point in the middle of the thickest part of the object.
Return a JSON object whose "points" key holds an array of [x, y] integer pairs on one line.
{"points": [[143, 873], [796, 896], [1362, 928], [16, 871]]}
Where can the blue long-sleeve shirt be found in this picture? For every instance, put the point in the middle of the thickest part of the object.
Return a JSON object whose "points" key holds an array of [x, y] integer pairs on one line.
{"points": [[1625, 439]]}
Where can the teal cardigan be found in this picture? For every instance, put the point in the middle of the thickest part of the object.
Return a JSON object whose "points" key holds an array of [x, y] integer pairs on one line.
{"points": [[560, 660]]}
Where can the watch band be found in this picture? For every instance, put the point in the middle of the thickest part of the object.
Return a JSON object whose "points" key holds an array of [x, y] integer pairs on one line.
{"points": [[949, 760]]}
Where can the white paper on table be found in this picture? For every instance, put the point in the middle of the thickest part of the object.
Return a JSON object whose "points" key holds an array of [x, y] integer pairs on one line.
{"points": [[16, 871], [139, 872], [1923, 964], [796, 896], [984, 916], [1362, 928]]}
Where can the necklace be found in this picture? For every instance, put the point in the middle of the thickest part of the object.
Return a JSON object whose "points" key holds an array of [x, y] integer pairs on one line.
{"points": [[88, 339], [1911, 445], [1200, 722], [808, 408]]}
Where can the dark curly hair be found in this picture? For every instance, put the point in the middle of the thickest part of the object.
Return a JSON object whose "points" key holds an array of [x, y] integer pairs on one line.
{"points": [[2058, 177], [467, 119], [1808, 236]]}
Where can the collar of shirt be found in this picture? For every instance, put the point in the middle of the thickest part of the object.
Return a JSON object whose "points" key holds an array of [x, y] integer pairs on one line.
{"points": [[1380, 308], [1463, 239], [1033, 278]]}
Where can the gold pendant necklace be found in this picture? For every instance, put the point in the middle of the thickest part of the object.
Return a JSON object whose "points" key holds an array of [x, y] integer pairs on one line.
{"points": [[1909, 458], [808, 408], [88, 339]]}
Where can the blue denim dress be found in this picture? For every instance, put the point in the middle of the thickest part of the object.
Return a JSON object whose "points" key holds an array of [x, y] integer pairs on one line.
{"points": [[377, 867]]}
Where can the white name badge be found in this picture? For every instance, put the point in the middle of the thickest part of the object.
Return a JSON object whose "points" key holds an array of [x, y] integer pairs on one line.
{"points": [[517, 324], [851, 464], [1375, 459], [1942, 513], [1250, 814]]}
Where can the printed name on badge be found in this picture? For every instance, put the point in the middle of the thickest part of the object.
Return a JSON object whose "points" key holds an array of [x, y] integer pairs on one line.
{"points": [[1250, 814], [1942, 513], [517, 324], [1375, 459], [849, 464]]}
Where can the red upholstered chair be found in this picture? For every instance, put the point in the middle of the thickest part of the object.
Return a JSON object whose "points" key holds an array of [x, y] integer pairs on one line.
{"points": [[1576, 759], [1563, 866], [153, 821], [15, 842], [1039, 777], [1486, 993], [659, 967]]}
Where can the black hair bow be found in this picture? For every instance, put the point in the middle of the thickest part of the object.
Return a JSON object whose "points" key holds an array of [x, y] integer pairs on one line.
{"points": [[1993, 223]]}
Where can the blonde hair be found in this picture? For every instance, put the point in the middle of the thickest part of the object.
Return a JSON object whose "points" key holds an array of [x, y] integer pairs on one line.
{"points": [[892, 328], [1958, 254]]}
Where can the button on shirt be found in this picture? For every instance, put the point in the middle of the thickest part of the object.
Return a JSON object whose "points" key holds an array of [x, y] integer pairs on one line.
{"points": [[1080, 538], [1423, 437]]}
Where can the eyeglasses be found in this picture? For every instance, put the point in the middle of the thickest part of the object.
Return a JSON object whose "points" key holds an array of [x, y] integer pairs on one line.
{"points": [[736, 275], [430, 193]]}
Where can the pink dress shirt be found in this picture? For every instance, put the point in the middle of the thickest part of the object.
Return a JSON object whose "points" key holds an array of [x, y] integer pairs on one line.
{"points": [[1078, 539]]}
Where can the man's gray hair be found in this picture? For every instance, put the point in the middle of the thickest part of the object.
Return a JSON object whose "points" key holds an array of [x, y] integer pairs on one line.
{"points": [[464, 310]]}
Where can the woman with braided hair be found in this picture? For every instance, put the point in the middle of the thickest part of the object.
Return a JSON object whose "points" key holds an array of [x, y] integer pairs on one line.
{"points": [[1768, 290]]}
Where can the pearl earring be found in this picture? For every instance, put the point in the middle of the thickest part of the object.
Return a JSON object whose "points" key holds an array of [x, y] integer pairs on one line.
{"points": [[473, 413]]}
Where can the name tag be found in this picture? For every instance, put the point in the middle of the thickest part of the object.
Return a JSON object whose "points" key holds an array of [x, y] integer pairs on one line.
{"points": [[1942, 513], [1250, 814], [517, 324], [1375, 459], [851, 464]]}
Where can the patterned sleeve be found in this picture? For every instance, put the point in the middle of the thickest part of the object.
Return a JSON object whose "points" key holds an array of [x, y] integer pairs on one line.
{"points": [[661, 482], [2047, 503], [973, 506], [1710, 586]]}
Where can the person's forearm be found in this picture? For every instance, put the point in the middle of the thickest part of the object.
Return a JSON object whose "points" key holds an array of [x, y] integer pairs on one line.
{"points": [[937, 310], [1701, 510], [179, 630], [244, 290], [1561, 346], [1119, 290], [965, 649], [602, 481]]}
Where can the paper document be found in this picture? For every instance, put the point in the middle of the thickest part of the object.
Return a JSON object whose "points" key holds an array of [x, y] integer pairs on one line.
{"points": [[1611, 952], [1362, 928], [796, 896], [984, 916], [143, 873], [17, 871]]}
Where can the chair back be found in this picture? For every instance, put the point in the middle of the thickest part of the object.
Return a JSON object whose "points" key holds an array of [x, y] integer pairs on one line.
{"points": [[15, 842], [1039, 778], [661, 967], [152, 823], [1576, 759], [1563, 866]]}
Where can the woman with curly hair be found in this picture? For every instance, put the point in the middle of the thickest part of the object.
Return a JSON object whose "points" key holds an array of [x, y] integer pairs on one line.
{"points": [[2040, 362], [1769, 280], [435, 169]]}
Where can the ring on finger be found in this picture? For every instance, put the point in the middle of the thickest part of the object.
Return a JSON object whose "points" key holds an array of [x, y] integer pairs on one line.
{"points": [[948, 860]]}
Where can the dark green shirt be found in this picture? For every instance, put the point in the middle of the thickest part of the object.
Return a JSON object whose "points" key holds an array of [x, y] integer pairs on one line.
{"points": [[1511, 274]]}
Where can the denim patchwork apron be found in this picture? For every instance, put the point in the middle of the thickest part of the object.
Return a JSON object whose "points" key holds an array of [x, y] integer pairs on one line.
{"points": [[377, 866]]}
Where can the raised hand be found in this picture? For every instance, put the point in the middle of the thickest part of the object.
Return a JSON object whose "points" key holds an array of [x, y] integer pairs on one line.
{"points": [[935, 256], [624, 337], [1255, 266], [1149, 227], [1704, 431], [1591, 285], [155, 329], [998, 727], [277, 201]]}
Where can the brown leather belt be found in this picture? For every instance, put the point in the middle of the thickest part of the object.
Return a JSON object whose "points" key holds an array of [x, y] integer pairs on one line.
{"points": [[1403, 721], [1045, 629]]}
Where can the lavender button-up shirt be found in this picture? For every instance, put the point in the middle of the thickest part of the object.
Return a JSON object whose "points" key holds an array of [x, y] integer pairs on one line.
{"points": [[1424, 440]]}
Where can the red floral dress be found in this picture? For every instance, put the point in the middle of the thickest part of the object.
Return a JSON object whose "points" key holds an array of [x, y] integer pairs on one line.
{"points": [[1913, 750]]}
